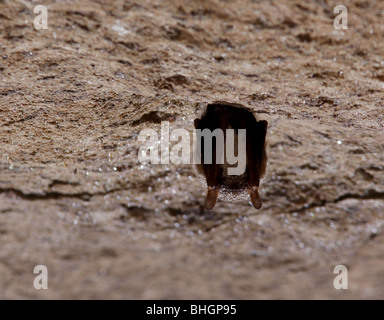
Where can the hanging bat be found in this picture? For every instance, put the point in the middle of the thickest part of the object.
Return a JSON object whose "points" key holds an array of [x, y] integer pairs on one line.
{"points": [[224, 116]]}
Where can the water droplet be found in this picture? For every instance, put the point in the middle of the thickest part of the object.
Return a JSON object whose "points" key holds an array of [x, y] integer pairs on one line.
{"points": [[119, 75]]}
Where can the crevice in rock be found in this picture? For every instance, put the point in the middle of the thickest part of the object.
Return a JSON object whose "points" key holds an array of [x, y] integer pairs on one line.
{"points": [[55, 195]]}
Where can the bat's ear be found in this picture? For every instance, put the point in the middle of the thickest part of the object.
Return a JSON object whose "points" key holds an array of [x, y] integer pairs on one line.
{"points": [[196, 123]]}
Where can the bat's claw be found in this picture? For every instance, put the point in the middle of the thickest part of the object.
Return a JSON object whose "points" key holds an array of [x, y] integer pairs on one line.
{"points": [[211, 199], [255, 197]]}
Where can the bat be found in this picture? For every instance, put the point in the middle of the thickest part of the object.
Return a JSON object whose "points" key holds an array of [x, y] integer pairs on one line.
{"points": [[224, 116]]}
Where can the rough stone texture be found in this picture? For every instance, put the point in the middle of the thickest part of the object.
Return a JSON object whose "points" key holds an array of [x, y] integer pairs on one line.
{"points": [[74, 197]]}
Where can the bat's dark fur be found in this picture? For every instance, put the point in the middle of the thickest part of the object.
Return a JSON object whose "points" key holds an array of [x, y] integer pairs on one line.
{"points": [[231, 116]]}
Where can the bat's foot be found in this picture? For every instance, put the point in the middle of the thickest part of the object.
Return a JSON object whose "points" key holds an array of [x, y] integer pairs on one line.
{"points": [[255, 197], [211, 199]]}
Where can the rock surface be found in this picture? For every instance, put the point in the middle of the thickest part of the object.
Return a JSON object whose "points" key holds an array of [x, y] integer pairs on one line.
{"points": [[75, 198]]}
